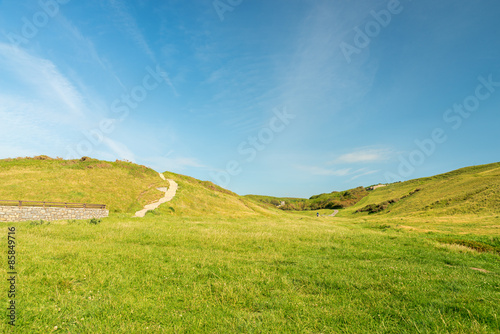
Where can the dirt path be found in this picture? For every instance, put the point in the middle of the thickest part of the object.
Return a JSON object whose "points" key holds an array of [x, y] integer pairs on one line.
{"points": [[334, 213], [169, 194]]}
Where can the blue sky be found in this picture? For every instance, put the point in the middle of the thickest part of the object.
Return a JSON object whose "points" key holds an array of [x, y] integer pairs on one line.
{"points": [[285, 98]]}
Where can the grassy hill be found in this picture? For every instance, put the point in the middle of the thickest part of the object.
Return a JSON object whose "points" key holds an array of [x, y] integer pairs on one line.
{"points": [[127, 187], [472, 191], [333, 200], [203, 198], [467, 191], [124, 186]]}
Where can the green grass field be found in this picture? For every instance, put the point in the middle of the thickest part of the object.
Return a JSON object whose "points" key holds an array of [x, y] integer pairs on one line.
{"points": [[292, 273], [211, 261]]}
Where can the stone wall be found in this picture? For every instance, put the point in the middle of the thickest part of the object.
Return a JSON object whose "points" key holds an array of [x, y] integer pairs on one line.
{"points": [[17, 214]]}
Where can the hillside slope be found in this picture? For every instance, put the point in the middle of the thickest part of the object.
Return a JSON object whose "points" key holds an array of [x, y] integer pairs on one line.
{"points": [[203, 198], [333, 200], [124, 186], [472, 190]]}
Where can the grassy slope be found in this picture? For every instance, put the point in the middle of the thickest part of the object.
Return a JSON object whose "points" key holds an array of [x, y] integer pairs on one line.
{"points": [[123, 186], [203, 198], [333, 200], [467, 191], [274, 201]]}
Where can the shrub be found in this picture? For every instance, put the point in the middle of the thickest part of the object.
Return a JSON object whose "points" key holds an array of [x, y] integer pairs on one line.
{"points": [[39, 222], [42, 157], [94, 221], [476, 245], [374, 208]]}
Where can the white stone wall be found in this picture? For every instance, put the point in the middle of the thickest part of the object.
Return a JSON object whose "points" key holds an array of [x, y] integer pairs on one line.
{"points": [[17, 214]]}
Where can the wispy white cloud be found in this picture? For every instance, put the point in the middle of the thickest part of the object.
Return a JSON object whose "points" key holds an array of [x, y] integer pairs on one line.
{"points": [[364, 155], [128, 23], [85, 47], [25, 128], [46, 112], [318, 70], [121, 150], [44, 79], [216, 76], [364, 174]]}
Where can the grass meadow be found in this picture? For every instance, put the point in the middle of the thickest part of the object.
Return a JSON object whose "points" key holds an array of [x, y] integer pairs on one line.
{"points": [[287, 273]]}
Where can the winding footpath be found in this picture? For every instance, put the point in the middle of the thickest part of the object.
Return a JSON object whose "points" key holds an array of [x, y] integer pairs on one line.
{"points": [[334, 213], [169, 194]]}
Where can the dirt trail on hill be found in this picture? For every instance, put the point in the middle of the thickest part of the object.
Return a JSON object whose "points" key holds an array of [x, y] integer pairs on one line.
{"points": [[169, 194], [334, 213]]}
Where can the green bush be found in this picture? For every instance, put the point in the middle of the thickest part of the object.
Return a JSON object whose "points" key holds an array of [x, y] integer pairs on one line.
{"points": [[39, 222], [476, 245], [94, 221]]}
